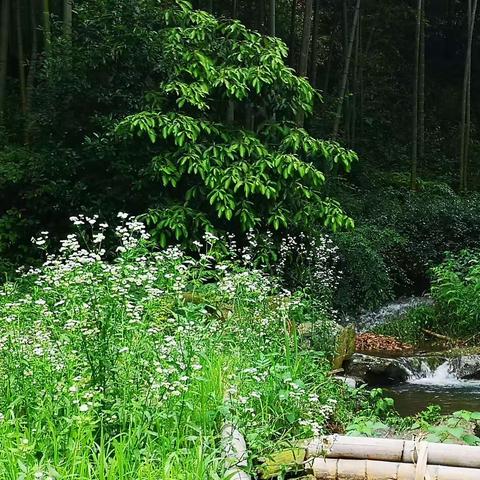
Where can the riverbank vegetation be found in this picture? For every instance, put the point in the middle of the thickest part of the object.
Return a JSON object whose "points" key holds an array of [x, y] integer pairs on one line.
{"points": [[453, 316]]}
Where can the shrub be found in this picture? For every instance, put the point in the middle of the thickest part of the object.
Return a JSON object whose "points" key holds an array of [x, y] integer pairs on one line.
{"points": [[367, 262], [402, 234], [455, 288]]}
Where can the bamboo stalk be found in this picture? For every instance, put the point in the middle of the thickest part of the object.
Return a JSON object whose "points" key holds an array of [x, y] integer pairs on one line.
{"points": [[234, 453], [391, 450], [438, 335], [343, 469]]}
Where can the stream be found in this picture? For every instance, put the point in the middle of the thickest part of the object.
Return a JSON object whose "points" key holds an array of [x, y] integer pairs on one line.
{"points": [[438, 386], [443, 382]]}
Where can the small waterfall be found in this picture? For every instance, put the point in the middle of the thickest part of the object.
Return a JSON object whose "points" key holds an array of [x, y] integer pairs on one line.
{"points": [[438, 381], [369, 320], [442, 375]]}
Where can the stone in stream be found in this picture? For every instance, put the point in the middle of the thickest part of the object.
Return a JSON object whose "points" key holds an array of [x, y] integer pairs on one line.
{"points": [[349, 381], [466, 367], [344, 340], [376, 371]]}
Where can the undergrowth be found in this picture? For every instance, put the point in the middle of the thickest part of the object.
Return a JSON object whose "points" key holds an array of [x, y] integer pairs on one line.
{"points": [[124, 364]]}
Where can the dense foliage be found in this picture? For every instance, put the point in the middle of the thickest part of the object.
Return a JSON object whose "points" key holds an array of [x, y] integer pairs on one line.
{"points": [[455, 287], [230, 132], [197, 118]]}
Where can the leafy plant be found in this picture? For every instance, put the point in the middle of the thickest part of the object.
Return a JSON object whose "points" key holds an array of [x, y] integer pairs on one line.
{"points": [[455, 287], [141, 354], [458, 426]]}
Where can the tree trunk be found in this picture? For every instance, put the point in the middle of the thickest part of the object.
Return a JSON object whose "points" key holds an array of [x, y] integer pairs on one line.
{"points": [[421, 91], [259, 6], [465, 124], [4, 34], [47, 33], [414, 157], [235, 9], [21, 58], [355, 90], [67, 18], [326, 81], [273, 24], [346, 68], [314, 57], [306, 37], [345, 25], [305, 48], [32, 69], [291, 43]]}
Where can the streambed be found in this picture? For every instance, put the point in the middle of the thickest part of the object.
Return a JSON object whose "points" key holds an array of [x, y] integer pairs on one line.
{"points": [[441, 383]]}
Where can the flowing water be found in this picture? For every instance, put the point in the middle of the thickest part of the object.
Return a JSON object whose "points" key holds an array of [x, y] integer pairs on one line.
{"points": [[430, 382], [369, 320], [438, 385]]}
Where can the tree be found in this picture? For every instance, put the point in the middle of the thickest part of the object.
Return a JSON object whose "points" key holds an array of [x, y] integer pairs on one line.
{"points": [[304, 49], [465, 126], [47, 33], [273, 20], [4, 35], [414, 158], [291, 42], [421, 90], [213, 175], [32, 70], [346, 69], [21, 58], [306, 38], [67, 18], [314, 57]]}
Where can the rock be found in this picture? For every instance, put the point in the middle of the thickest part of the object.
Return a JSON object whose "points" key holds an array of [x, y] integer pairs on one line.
{"points": [[376, 371], [349, 381], [345, 346], [466, 367], [291, 460]]}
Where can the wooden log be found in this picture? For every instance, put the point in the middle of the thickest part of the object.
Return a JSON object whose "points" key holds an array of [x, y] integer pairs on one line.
{"points": [[345, 469], [438, 335], [401, 451]]}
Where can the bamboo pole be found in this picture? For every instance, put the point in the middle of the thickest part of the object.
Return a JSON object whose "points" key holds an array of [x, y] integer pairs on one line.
{"points": [[234, 453], [344, 469], [392, 450]]}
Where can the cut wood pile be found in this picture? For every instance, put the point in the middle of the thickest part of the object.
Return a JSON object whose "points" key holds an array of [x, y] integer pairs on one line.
{"points": [[351, 458], [371, 342]]}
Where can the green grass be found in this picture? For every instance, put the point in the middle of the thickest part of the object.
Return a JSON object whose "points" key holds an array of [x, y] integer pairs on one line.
{"points": [[127, 368]]}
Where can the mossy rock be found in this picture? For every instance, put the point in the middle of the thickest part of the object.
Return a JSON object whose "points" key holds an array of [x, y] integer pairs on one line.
{"points": [[345, 346], [289, 460]]}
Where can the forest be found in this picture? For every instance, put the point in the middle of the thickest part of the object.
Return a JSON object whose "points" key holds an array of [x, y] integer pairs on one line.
{"points": [[255, 215]]}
